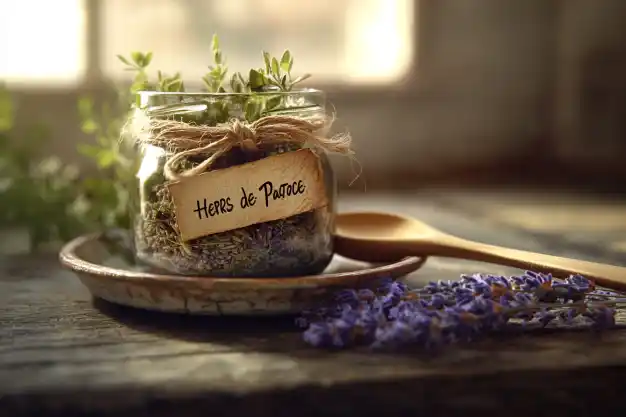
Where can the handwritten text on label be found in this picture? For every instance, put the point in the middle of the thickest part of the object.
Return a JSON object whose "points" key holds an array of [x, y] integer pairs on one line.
{"points": [[273, 188]]}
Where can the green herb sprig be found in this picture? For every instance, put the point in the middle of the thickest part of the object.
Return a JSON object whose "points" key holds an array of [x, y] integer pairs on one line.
{"points": [[215, 78], [39, 194]]}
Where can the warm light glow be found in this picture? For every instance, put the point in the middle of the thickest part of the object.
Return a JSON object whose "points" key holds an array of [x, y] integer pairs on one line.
{"points": [[379, 39], [42, 41], [361, 41]]}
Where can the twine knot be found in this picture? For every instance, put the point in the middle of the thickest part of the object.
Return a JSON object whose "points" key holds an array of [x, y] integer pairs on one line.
{"points": [[245, 135], [185, 140]]}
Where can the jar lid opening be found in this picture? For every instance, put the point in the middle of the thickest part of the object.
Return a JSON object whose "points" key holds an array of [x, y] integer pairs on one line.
{"points": [[299, 91]]}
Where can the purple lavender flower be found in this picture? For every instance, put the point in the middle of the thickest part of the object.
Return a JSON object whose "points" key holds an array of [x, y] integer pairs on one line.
{"points": [[480, 305], [366, 294], [391, 292], [567, 292], [542, 279], [392, 286], [336, 333], [530, 281], [437, 301], [605, 293], [476, 283], [459, 325], [463, 294], [544, 317], [567, 315], [394, 334], [449, 311], [347, 297], [419, 329], [432, 287], [318, 334], [521, 300], [403, 310], [367, 322], [580, 283]]}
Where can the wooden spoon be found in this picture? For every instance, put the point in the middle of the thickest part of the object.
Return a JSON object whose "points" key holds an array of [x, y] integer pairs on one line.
{"points": [[380, 237]]}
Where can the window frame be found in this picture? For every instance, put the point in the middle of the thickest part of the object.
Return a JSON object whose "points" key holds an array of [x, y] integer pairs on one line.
{"points": [[355, 103], [94, 77], [95, 80]]}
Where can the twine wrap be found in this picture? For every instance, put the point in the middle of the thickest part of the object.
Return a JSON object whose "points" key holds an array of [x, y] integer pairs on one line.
{"points": [[185, 139]]}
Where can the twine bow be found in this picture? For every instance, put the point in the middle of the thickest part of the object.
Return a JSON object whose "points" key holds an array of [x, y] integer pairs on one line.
{"points": [[185, 140]]}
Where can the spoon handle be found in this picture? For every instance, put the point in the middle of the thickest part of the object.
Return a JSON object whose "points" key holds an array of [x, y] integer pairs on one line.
{"points": [[609, 276]]}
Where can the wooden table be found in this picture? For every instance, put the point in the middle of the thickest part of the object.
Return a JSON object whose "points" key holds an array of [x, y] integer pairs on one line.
{"points": [[63, 354]]}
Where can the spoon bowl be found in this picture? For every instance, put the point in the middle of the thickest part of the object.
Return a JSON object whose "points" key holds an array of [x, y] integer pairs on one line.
{"points": [[380, 226], [384, 237], [381, 237]]}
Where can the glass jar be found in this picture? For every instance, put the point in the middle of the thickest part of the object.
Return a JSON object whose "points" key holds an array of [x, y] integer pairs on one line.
{"points": [[298, 245]]}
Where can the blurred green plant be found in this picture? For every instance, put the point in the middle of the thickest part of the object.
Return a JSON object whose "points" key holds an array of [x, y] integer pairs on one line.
{"points": [[40, 194], [54, 201], [49, 198], [107, 193]]}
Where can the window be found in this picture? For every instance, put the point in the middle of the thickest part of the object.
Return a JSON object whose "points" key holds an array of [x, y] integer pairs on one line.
{"points": [[339, 40], [346, 41], [42, 41]]}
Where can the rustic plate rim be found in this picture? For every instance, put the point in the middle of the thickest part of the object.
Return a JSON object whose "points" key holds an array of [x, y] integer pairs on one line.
{"points": [[70, 259]]}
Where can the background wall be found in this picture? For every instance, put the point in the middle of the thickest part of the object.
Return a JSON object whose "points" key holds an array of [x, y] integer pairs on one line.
{"points": [[590, 90], [496, 85]]}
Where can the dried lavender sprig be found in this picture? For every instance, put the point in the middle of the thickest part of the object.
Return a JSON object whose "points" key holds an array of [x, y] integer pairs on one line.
{"points": [[450, 311]]}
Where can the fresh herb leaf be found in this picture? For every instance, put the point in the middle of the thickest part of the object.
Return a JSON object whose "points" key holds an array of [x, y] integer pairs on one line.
{"points": [[256, 79], [275, 68], [300, 79], [267, 58], [124, 60], [285, 60], [137, 58]]}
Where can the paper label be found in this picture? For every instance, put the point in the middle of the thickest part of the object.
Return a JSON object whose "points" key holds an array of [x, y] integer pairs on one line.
{"points": [[272, 188]]}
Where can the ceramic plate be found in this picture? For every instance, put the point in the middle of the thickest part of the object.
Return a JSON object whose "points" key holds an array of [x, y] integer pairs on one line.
{"points": [[104, 264]]}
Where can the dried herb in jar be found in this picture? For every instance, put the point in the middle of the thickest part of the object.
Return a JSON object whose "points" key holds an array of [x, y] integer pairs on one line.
{"points": [[182, 135]]}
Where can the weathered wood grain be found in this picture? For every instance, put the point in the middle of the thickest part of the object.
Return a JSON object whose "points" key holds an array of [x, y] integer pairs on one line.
{"points": [[62, 353]]}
